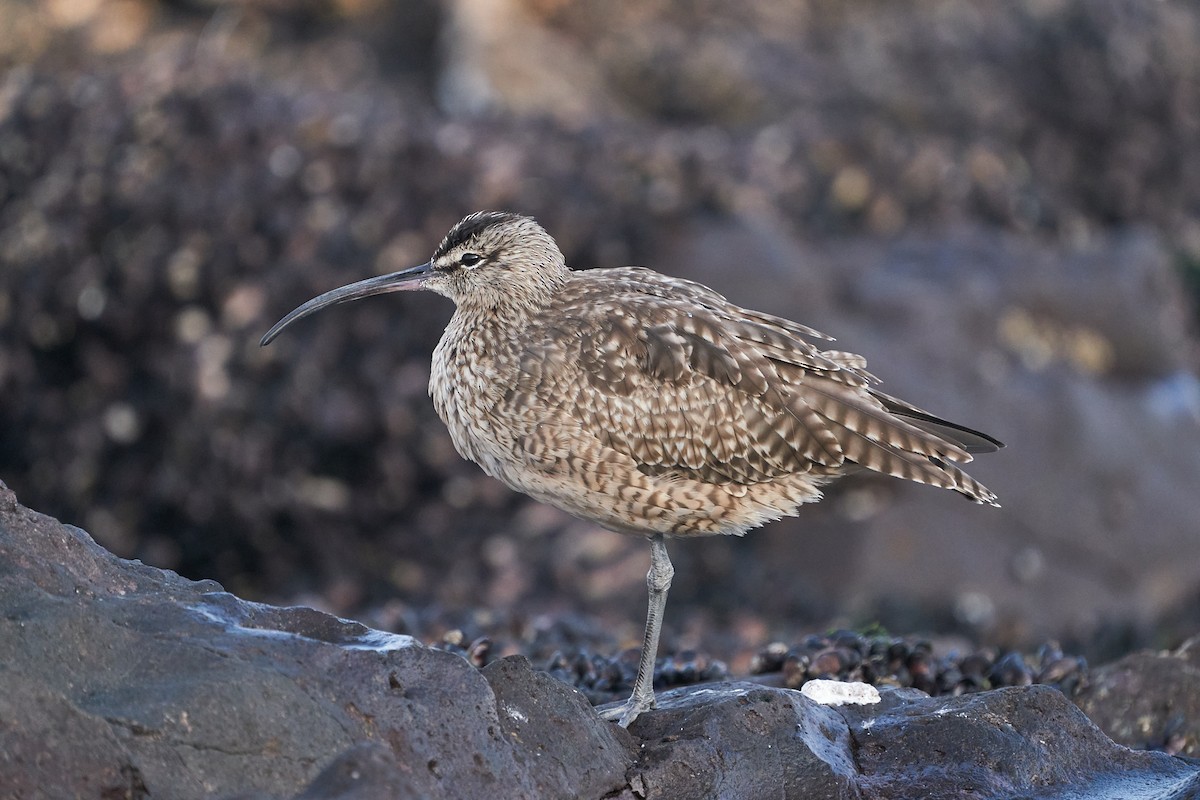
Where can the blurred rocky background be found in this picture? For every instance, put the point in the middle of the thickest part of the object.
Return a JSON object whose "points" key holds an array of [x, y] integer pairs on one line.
{"points": [[997, 202]]}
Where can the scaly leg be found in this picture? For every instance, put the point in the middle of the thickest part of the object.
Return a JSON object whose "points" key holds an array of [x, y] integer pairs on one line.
{"points": [[658, 581]]}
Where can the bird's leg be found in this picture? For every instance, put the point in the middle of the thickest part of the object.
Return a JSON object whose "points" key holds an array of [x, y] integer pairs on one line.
{"points": [[658, 581]]}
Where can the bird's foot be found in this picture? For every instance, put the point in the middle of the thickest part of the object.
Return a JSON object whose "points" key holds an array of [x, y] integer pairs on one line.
{"points": [[625, 713]]}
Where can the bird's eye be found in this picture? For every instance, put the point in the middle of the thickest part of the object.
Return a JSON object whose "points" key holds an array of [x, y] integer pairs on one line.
{"points": [[470, 259]]}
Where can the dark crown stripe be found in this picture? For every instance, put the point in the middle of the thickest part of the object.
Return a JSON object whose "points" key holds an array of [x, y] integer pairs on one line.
{"points": [[469, 228]]}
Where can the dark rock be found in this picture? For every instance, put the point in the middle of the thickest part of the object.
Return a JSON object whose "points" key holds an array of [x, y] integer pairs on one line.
{"points": [[566, 748], [1015, 742], [154, 685], [1149, 699], [742, 740], [367, 771]]}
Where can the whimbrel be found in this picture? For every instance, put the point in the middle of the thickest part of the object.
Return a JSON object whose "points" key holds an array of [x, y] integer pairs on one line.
{"points": [[648, 404]]}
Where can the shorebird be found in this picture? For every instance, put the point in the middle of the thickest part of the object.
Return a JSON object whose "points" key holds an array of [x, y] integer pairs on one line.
{"points": [[648, 404]]}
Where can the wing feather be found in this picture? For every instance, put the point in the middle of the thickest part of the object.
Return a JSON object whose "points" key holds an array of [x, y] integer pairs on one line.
{"points": [[673, 376]]}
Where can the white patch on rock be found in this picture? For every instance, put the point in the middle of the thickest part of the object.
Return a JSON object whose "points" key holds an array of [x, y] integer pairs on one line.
{"points": [[840, 693], [382, 641], [515, 713]]}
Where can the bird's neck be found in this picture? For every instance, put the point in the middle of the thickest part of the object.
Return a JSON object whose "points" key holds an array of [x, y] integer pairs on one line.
{"points": [[510, 304]]}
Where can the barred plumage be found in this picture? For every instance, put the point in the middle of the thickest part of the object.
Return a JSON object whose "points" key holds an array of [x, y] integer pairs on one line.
{"points": [[651, 404]]}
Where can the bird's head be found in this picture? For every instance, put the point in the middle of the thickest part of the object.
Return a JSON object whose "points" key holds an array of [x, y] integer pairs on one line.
{"points": [[489, 260], [492, 257]]}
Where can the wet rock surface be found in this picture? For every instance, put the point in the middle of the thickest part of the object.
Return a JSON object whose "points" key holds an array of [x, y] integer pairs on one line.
{"points": [[122, 680]]}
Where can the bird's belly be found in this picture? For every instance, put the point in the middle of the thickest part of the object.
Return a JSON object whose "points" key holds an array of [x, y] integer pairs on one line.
{"points": [[557, 462], [552, 457]]}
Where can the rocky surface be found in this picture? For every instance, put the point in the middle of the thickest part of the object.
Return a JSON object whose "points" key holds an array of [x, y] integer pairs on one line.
{"points": [[738, 740], [121, 680]]}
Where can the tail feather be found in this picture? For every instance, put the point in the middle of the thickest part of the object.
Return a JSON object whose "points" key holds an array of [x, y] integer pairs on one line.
{"points": [[968, 439]]}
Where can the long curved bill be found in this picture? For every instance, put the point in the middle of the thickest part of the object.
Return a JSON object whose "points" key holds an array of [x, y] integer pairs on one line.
{"points": [[402, 281]]}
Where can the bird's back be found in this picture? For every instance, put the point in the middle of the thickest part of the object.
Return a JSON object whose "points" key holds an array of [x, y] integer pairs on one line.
{"points": [[652, 404]]}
